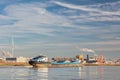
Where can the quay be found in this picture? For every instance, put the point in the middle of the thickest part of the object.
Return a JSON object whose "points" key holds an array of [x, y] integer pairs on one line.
{"points": [[14, 64], [48, 65]]}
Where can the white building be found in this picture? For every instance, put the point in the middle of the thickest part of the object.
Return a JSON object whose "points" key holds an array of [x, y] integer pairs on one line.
{"points": [[17, 59]]}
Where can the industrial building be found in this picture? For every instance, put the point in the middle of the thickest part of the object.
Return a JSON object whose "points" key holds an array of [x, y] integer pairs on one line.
{"points": [[16, 59]]}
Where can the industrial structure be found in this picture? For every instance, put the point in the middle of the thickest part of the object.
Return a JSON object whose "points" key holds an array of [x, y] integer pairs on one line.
{"points": [[8, 57], [80, 57], [95, 59]]}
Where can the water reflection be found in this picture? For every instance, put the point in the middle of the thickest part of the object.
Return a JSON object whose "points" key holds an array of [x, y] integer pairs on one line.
{"points": [[40, 73], [22, 73], [94, 73], [81, 73], [100, 72]]}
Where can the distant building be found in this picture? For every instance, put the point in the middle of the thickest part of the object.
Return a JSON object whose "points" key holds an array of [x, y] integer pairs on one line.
{"points": [[11, 59], [17, 59]]}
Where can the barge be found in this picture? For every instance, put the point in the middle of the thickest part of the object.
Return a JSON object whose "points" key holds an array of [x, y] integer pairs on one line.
{"points": [[42, 62]]}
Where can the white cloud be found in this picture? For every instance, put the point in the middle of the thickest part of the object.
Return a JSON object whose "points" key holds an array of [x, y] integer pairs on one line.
{"points": [[2, 17], [94, 12], [33, 13], [33, 18], [84, 8]]}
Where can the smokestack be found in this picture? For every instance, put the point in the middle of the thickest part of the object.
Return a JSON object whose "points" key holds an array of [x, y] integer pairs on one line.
{"points": [[87, 58]]}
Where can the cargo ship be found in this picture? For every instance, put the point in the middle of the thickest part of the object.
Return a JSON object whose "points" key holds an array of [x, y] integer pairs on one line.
{"points": [[42, 62]]}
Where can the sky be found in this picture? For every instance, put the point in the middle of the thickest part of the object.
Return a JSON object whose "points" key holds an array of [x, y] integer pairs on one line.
{"points": [[60, 28]]}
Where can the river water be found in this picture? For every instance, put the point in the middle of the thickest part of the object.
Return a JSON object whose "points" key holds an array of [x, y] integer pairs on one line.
{"points": [[75, 73]]}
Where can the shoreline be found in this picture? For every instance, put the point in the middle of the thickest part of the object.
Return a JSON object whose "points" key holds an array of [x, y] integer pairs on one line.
{"points": [[101, 64], [52, 66], [14, 64]]}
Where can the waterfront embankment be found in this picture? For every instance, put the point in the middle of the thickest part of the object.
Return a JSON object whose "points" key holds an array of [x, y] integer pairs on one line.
{"points": [[14, 64], [52, 66], [101, 64]]}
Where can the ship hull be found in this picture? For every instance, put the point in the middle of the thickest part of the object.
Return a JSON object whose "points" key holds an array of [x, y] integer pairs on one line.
{"points": [[49, 65]]}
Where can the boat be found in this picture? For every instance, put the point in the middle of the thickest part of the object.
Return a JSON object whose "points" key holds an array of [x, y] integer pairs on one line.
{"points": [[42, 62]]}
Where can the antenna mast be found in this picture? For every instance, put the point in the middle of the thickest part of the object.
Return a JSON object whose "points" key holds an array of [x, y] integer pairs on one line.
{"points": [[12, 45]]}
